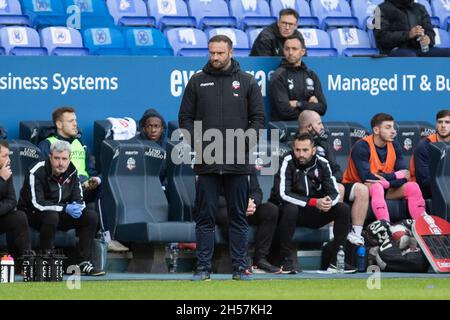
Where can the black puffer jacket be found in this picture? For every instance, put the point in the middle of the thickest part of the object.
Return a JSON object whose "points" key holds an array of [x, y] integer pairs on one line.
{"points": [[294, 83], [42, 191], [298, 184], [221, 100], [7, 196], [398, 17], [270, 42]]}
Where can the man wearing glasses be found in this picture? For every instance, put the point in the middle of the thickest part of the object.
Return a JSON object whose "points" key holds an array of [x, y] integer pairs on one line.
{"points": [[271, 39]]}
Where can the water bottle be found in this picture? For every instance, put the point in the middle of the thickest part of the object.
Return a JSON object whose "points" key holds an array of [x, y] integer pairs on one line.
{"points": [[361, 258], [7, 269], [340, 260], [423, 47]]}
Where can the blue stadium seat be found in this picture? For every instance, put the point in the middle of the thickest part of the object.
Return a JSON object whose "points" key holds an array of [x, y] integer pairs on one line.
{"points": [[147, 41], [441, 9], [306, 20], [105, 41], [45, 13], [130, 13], [62, 41], [364, 9], [342, 136], [351, 42], [409, 134], [239, 38], [435, 21], [318, 43], [212, 13], [253, 34], [137, 209], [11, 14], [21, 41], [188, 41], [333, 13], [181, 181], [170, 14], [135, 206], [23, 155], [442, 38], [35, 130], [251, 14], [93, 13]]}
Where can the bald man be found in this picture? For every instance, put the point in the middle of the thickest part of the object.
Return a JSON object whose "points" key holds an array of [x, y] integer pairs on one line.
{"points": [[310, 121]]}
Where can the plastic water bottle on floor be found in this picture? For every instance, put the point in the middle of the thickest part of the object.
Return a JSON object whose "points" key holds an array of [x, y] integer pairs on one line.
{"points": [[361, 259], [340, 260]]}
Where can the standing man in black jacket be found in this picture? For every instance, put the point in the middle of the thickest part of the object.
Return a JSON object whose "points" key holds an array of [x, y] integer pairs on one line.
{"points": [[12, 221], [294, 87], [402, 28], [218, 101], [271, 40], [309, 196], [52, 197]]}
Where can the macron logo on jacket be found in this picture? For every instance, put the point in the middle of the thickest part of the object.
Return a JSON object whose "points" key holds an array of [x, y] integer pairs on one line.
{"points": [[207, 84]]}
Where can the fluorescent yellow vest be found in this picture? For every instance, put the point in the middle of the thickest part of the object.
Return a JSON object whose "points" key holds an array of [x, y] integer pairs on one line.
{"points": [[78, 156]]}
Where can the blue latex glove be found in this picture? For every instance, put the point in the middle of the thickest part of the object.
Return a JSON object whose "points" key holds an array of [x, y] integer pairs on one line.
{"points": [[74, 209]]}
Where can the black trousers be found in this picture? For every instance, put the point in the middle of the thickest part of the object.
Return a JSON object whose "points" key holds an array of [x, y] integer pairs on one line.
{"points": [[48, 222], [310, 217], [265, 218], [15, 224], [236, 190]]}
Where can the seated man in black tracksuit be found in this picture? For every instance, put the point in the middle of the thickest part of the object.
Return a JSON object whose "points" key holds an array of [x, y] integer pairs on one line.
{"points": [[293, 86], [307, 191], [52, 198], [264, 216]]}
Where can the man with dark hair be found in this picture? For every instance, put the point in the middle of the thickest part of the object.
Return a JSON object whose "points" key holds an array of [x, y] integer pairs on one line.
{"points": [[219, 100], [419, 164], [356, 193], [377, 161], [12, 221], [65, 122], [53, 200], [402, 27], [271, 39], [309, 197], [294, 87], [153, 128]]}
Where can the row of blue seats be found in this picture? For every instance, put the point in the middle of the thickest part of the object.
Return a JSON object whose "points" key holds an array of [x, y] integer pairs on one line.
{"points": [[17, 40], [241, 14]]}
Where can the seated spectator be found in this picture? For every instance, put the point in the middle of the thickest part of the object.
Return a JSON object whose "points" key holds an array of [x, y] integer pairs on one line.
{"points": [[264, 216], [52, 198], [402, 27], [152, 127], [12, 221], [65, 121], [419, 165], [271, 39], [293, 86]]}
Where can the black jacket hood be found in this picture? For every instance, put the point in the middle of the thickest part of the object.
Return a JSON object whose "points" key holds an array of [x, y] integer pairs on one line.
{"points": [[234, 68]]}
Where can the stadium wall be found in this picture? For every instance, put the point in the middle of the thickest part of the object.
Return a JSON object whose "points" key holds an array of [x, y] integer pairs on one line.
{"points": [[101, 87]]}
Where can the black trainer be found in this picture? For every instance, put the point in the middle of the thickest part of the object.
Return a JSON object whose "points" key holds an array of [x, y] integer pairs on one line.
{"points": [[288, 267], [88, 269], [263, 264]]}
